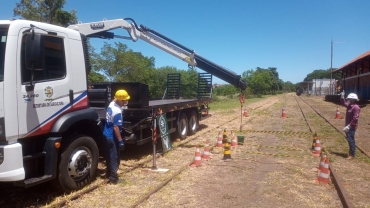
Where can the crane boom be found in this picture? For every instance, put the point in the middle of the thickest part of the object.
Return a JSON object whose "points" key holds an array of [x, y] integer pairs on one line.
{"points": [[100, 30]]}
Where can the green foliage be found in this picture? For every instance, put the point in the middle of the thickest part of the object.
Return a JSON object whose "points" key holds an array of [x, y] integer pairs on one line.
{"points": [[157, 86], [118, 63], [225, 90], [289, 87], [189, 83], [322, 74], [96, 77], [263, 81], [50, 11]]}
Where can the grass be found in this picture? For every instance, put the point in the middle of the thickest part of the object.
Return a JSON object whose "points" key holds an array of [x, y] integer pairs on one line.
{"points": [[224, 103]]}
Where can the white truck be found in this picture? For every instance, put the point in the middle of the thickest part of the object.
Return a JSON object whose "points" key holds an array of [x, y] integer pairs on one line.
{"points": [[48, 129]]}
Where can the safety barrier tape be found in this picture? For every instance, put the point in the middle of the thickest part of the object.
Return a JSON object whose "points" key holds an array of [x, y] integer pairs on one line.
{"points": [[275, 132], [265, 146], [278, 155], [278, 147]]}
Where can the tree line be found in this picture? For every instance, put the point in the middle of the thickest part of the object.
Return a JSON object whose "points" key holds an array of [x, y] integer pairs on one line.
{"points": [[260, 82]]}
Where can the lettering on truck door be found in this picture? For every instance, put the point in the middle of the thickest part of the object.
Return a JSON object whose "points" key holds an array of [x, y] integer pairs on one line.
{"points": [[38, 109]]}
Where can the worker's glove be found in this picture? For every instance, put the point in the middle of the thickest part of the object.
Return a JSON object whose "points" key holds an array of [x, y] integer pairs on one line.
{"points": [[121, 145], [342, 95], [346, 128]]}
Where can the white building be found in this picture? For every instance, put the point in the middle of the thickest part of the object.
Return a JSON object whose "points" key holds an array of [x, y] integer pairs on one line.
{"points": [[322, 86], [317, 87]]}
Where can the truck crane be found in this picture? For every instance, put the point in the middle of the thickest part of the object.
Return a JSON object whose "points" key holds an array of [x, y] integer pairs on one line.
{"points": [[100, 30], [50, 117]]}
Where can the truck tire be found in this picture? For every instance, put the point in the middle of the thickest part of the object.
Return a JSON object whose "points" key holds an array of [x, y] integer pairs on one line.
{"points": [[193, 123], [182, 126], [78, 163]]}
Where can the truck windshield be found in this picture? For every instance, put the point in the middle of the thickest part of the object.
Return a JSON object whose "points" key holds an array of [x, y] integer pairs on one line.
{"points": [[3, 36]]}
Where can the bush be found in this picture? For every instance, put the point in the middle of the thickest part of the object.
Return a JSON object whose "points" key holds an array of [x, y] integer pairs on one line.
{"points": [[216, 98]]}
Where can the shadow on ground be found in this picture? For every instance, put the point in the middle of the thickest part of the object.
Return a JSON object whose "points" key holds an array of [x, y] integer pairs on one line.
{"points": [[340, 154]]}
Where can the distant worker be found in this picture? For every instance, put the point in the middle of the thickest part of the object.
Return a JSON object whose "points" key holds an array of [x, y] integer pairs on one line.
{"points": [[352, 116], [112, 132]]}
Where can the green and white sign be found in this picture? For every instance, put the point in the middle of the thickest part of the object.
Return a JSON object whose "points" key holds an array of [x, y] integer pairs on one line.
{"points": [[163, 128]]}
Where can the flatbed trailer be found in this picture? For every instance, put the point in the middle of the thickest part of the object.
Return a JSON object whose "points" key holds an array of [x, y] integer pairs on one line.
{"points": [[183, 115]]}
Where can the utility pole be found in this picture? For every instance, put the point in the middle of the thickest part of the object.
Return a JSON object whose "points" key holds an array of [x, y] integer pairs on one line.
{"points": [[331, 65]]}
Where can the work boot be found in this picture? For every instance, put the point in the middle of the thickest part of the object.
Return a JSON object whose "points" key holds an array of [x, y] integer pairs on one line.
{"points": [[350, 157], [116, 181]]}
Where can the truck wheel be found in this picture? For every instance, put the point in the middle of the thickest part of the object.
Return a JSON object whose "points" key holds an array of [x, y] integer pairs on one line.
{"points": [[78, 163], [193, 123], [182, 126]]}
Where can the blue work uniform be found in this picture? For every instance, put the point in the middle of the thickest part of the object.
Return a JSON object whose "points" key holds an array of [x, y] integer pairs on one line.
{"points": [[113, 118]]}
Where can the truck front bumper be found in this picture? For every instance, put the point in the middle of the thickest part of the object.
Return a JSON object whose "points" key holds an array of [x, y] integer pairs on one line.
{"points": [[11, 163]]}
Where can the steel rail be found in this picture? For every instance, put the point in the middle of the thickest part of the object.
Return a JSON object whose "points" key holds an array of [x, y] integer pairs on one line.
{"points": [[342, 193]]}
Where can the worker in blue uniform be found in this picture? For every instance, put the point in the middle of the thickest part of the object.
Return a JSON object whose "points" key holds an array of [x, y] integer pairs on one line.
{"points": [[112, 133]]}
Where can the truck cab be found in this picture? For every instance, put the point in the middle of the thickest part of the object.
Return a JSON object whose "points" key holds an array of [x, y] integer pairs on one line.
{"points": [[43, 96]]}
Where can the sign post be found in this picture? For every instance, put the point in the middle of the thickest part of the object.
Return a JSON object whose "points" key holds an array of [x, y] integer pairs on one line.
{"points": [[163, 128], [154, 135], [154, 138]]}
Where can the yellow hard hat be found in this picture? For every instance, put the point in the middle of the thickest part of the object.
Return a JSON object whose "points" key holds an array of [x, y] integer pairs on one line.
{"points": [[121, 95]]}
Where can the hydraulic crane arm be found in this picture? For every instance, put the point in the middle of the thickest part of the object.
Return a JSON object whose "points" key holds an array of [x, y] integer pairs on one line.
{"points": [[100, 30]]}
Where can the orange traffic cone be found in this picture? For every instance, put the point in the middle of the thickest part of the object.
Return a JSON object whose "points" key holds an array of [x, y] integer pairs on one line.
{"points": [[337, 115], [206, 153], [322, 163], [283, 113], [234, 142], [324, 173], [219, 140], [197, 158], [245, 112], [317, 149]]}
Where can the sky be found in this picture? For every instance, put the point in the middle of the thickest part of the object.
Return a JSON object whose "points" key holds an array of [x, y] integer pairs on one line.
{"points": [[292, 35]]}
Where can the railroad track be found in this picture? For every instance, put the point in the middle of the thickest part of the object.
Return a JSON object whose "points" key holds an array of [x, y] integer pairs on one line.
{"points": [[342, 193], [339, 130], [142, 163]]}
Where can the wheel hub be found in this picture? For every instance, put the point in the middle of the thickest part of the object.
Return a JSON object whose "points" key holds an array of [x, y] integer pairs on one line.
{"points": [[183, 126], [79, 164], [193, 123]]}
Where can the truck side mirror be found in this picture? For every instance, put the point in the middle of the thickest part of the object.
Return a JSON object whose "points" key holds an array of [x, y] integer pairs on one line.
{"points": [[34, 51], [34, 55]]}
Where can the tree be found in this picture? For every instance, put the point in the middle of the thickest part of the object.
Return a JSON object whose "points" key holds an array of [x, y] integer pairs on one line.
{"points": [[158, 83], [261, 82], [120, 64], [49, 11], [322, 74], [96, 77], [189, 83], [226, 90], [289, 87]]}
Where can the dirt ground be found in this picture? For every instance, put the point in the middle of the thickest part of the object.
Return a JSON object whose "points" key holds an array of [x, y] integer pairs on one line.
{"points": [[273, 169], [274, 166]]}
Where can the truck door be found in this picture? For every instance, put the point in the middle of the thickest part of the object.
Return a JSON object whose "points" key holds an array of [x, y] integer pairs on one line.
{"points": [[39, 108]]}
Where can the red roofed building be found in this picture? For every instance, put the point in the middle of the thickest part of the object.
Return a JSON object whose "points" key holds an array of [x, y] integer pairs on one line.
{"points": [[356, 76]]}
